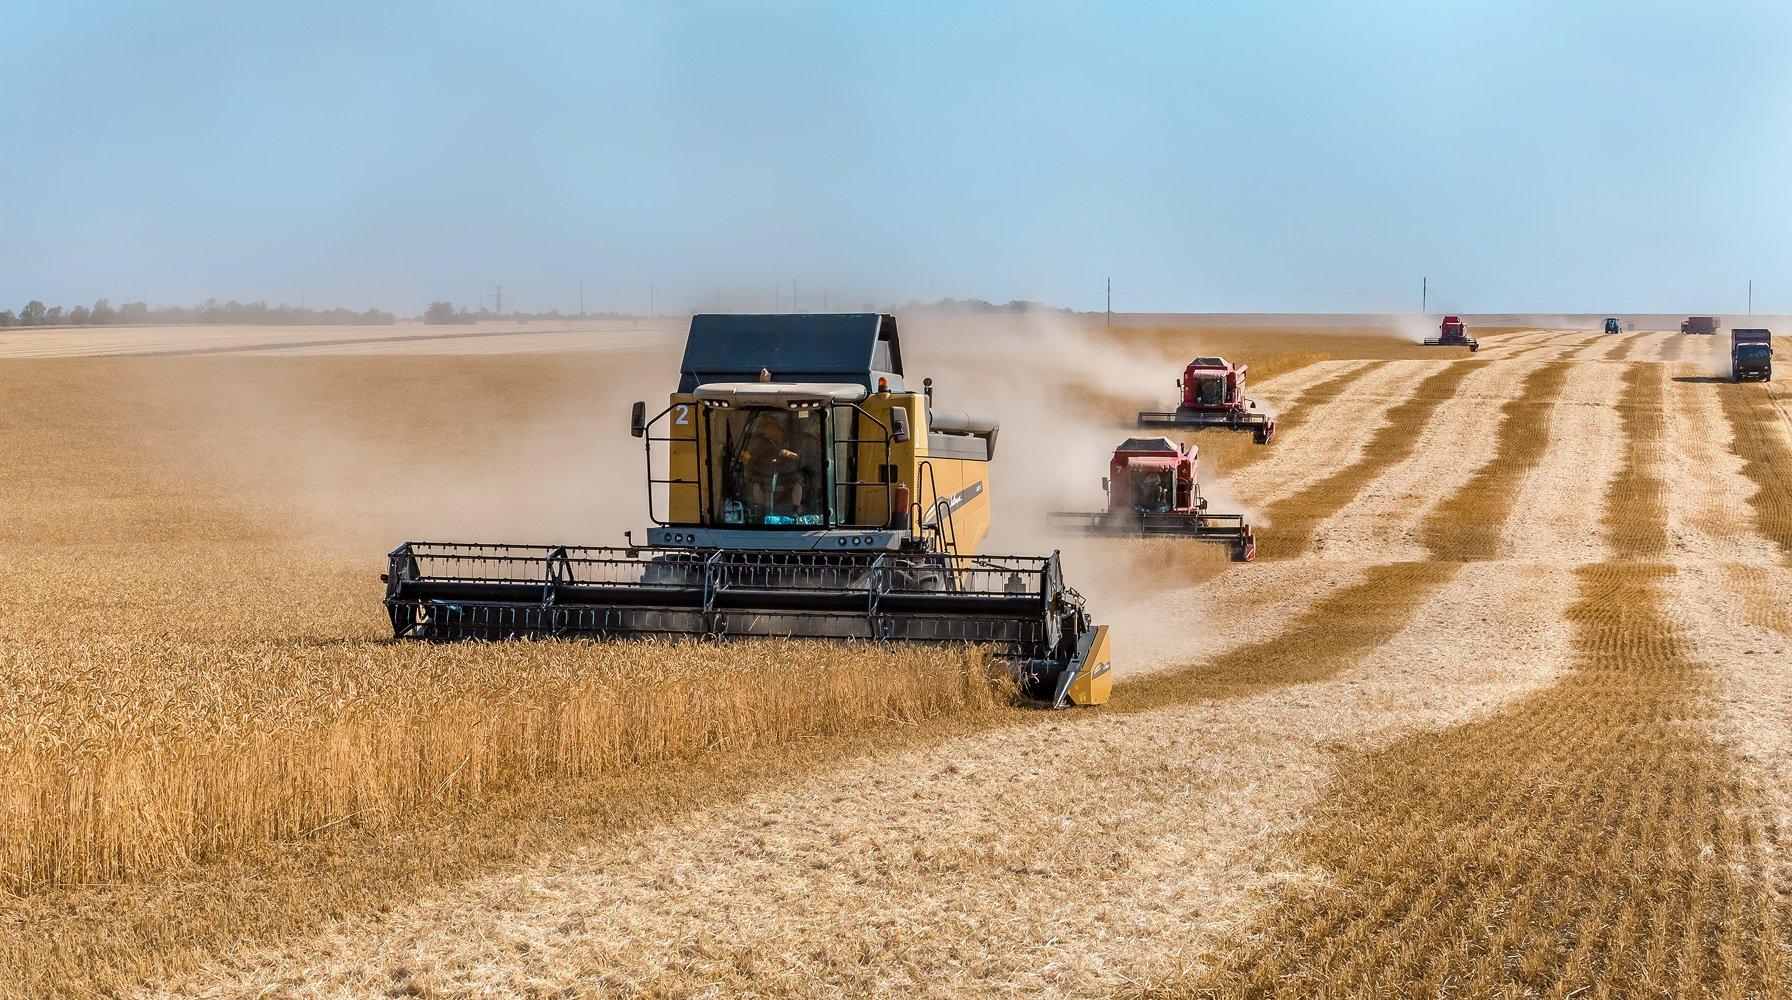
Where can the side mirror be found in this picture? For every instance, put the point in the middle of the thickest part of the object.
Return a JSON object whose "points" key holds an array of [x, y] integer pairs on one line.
{"points": [[1178, 383], [898, 424], [637, 421], [1251, 403], [1104, 484]]}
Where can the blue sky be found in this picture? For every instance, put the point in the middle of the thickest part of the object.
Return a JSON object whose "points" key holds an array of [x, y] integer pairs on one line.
{"points": [[1206, 156]]}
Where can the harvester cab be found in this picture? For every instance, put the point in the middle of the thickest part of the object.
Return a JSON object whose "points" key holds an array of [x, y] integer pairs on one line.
{"points": [[1153, 490], [797, 486], [1612, 325], [1452, 332], [1212, 395]]}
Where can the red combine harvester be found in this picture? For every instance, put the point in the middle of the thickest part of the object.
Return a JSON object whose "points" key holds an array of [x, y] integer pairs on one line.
{"points": [[1213, 396], [1452, 333], [1152, 491]]}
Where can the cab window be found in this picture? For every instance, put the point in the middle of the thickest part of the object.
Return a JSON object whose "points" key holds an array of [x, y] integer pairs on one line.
{"points": [[768, 466]]}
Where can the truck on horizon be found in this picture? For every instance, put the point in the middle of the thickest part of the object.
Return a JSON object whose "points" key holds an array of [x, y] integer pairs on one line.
{"points": [[1751, 355]]}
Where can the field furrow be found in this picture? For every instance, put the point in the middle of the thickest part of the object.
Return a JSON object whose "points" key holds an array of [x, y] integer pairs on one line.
{"points": [[1499, 857], [1475, 522], [1457, 438], [1341, 409], [1555, 517], [1296, 517], [1760, 437], [1712, 514], [1625, 344], [1553, 345]]}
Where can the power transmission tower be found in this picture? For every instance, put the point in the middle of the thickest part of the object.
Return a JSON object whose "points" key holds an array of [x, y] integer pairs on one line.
{"points": [[498, 297]]}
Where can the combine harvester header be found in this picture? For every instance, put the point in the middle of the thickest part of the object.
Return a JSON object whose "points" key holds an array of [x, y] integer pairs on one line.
{"points": [[797, 487]]}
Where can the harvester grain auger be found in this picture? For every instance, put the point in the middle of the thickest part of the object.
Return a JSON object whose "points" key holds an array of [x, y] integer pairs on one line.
{"points": [[1152, 491], [797, 487], [1213, 396]]}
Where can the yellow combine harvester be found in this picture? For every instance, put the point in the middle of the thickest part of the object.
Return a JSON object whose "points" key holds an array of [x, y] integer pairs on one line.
{"points": [[797, 487]]}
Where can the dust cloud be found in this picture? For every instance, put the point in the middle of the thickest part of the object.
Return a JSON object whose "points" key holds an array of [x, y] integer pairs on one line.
{"points": [[363, 453], [351, 455], [1066, 392]]}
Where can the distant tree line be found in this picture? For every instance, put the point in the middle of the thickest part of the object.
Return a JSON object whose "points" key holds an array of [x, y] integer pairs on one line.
{"points": [[102, 313], [444, 314]]}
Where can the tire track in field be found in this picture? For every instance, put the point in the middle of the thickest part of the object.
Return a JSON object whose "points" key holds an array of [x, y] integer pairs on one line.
{"points": [[1708, 520], [1336, 424], [1472, 525], [1314, 398], [1391, 512], [1759, 438], [1462, 440], [938, 870], [1562, 342], [1523, 338], [1295, 518], [1555, 520], [1502, 857], [1622, 349]]}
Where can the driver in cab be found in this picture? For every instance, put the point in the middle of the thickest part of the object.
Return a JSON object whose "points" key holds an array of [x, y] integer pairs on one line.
{"points": [[777, 470]]}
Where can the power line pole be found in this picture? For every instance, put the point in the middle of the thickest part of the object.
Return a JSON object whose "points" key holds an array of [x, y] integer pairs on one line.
{"points": [[777, 298], [498, 293], [652, 300], [796, 305], [1751, 296], [581, 299], [1424, 296], [1110, 306], [824, 300]]}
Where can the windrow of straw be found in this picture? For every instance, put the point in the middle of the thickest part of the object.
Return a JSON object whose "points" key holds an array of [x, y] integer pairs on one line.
{"points": [[154, 796]]}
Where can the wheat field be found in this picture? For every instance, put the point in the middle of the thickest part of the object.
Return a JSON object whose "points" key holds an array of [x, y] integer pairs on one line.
{"points": [[1499, 710]]}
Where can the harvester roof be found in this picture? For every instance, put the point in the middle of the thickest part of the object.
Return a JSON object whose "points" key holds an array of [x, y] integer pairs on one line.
{"points": [[833, 348], [1209, 363], [1148, 446], [781, 393], [1154, 463]]}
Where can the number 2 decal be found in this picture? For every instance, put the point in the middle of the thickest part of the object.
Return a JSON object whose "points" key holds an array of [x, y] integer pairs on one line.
{"points": [[681, 414]]}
